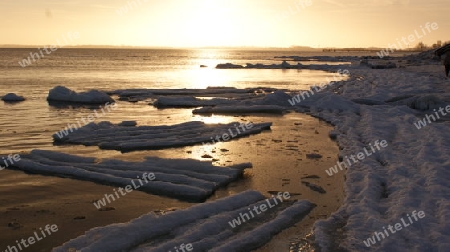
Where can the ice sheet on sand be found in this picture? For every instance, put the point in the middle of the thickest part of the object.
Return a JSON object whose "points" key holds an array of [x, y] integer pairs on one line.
{"points": [[127, 138], [11, 97], [63, 94], [205, 226], [184, 179]]}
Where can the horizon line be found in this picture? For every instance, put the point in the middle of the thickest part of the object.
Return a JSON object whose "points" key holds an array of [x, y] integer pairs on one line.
{"points": [[306, 48]]}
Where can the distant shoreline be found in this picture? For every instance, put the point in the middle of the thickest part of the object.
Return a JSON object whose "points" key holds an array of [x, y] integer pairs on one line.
{"points": [[300, 49]]}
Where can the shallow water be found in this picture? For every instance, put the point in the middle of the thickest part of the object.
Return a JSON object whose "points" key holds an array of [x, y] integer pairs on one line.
{"points": [[30, 124]]}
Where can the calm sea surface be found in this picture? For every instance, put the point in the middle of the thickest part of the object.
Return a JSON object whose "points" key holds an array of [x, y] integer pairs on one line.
{"points": [[30, 124], [83, 69]]}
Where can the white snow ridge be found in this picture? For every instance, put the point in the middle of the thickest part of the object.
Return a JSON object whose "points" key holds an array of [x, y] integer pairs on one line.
{"points": [[184, 179], [205, 226]]}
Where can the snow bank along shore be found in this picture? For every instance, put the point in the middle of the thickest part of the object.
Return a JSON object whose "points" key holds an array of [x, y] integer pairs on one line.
{"points": [[412, 174]]}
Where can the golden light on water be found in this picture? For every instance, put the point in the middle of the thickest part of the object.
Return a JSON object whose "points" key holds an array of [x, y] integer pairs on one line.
{"points": [[216, 119]]}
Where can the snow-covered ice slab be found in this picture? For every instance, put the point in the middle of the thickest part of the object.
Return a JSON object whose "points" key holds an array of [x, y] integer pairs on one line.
{"points": [[205, 226], [184, 179], [225, 92], [283, 65], [271, 109], [189, 102], [125, 138], [320, 58], [63, 94]]}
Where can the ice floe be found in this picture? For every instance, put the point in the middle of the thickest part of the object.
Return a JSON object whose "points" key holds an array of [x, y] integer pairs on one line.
{"points": [[127, 138], [235, 109], [205, 226], [184, 179], [189, 101], [283, 65], [63, 94], [223, 92]]}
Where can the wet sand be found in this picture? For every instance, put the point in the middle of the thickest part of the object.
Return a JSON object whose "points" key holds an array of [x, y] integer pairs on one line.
{"points": [[278, 156]]}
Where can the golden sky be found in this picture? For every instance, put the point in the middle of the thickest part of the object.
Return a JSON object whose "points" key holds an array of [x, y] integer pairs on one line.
{"points": [[197, 23]]}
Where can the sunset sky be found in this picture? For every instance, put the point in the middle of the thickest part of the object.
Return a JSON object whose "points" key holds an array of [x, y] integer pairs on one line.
{"points": [[197, 23]]}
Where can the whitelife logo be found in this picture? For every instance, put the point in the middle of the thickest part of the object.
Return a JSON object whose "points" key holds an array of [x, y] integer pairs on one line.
{"points": [[411, 38], [398, 226], [48, 230], [49, 49], [423, 123], [360, 156], [262, 207], [11, 158], [86, 120], [226, 137], [147, 177]]}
